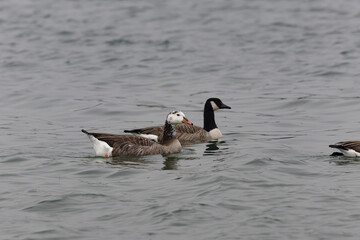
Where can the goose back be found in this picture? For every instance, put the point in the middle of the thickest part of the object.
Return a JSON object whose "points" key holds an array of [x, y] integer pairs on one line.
{"points": [[185, 133]]}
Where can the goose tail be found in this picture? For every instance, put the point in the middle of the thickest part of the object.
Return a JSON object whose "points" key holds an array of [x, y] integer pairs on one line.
{"points": [[84, 131], [102, 148]]}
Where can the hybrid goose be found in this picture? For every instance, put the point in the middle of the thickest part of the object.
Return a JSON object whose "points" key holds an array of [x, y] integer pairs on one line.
{"points": [[347, 148], [107, 145], [189, 133]]}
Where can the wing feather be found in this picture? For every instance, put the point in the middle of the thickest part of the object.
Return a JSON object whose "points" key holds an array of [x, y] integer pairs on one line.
{"points": [[111, 139], [184, 132], [129, 148], [354, 145]]}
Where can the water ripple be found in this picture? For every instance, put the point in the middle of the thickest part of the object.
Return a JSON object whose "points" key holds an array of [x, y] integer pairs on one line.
{"points": [[291, 83]]}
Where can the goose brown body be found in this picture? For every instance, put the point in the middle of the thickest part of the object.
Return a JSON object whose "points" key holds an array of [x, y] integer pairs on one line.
{"points": [[122, 144]]}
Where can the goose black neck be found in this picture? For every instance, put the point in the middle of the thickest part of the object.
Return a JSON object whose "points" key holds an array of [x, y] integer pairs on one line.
{"points": [[169, 132], [209, 117]]}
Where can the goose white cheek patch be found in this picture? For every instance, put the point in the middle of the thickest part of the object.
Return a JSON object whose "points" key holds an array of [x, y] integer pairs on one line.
{"points": [[214, 106]]}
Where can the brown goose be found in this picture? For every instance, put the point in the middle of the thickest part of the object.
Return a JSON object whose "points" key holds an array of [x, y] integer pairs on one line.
{"points": [[347, 148], [107, 145], [189, 133]]}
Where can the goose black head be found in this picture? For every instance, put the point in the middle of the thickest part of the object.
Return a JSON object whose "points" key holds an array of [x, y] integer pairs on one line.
{"points": [[216, 104]]}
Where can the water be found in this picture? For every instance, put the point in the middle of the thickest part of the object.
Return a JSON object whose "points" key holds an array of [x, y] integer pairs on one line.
{"points": [[288, 69]]}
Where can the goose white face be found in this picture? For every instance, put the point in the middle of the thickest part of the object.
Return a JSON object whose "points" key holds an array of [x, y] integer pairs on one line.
{"points": [[175, 117], [214, 105]]}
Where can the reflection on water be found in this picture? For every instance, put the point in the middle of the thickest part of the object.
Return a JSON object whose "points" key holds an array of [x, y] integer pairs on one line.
{"points": [[342, 160], [336, 154], [128, 160], [212, 148], [171, 161]]}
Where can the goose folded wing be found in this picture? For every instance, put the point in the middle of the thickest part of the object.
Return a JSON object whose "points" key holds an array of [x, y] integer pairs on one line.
{"points": [[354, 145], [186, 128], [113, 139], [135, 146]]}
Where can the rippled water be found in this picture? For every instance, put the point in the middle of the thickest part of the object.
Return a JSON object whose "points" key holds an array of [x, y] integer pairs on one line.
{"points": [[288, 69]]}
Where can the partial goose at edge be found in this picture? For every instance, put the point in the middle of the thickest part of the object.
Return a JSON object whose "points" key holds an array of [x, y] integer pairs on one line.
{"points": [[347, 148]]}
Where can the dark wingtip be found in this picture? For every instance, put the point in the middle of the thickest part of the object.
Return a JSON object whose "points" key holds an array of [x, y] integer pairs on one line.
{"points": [[84, 131], [132, 131], [338, 146]]}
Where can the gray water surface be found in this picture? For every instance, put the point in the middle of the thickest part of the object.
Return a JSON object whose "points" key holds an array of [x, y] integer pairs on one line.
{"points": [[289, 70]]}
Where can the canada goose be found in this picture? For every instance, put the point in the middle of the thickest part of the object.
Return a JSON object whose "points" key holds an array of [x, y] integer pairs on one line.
{"points": [[347, 148], [107, 145], [189, 133]]}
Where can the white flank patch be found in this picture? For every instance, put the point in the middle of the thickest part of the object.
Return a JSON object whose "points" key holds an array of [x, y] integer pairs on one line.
{"points": [[102, 149], [215, 133], [350, 153], [149, 136], [214, 106]]}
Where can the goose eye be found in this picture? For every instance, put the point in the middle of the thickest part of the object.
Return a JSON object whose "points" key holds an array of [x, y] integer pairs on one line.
{"points": [[178, 115]]}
